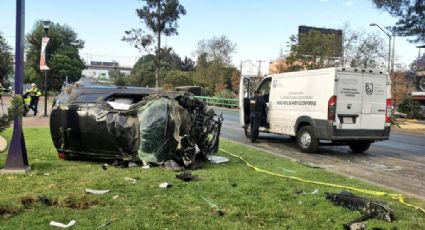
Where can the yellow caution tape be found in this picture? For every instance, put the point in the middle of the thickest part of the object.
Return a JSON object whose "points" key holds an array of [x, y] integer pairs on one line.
{"points": [[396, 196]]}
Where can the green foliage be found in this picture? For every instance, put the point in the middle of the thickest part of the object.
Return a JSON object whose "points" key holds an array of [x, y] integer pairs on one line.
{"points": [[410, 14], [15, 109], [410, 107], [143, 73], [62, 55], [224, 94], [160, 17], [179, 78], [5, 58]]}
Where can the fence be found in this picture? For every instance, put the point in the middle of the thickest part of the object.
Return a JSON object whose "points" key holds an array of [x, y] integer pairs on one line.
{"points": [[220, 102]]}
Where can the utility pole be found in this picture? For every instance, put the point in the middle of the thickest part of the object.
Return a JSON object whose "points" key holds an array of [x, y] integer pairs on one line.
{"points": [[259, 67]]}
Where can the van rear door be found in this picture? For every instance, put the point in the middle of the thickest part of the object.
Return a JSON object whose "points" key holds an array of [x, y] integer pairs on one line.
{"points": [[361, 100]]}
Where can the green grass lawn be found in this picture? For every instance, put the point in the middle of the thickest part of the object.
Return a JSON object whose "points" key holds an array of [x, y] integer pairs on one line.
{"points": [[250, 200]]}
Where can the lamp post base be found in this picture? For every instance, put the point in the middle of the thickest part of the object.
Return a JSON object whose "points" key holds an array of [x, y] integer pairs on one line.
{"points": [[25, 170]]}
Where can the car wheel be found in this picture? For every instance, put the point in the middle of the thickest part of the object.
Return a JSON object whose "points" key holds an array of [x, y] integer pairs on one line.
{"points": [[306, 139], [420, 84], [359, 146]]}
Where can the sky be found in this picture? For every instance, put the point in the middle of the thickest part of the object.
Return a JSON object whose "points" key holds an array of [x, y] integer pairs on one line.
{"points": [[260, 28]]}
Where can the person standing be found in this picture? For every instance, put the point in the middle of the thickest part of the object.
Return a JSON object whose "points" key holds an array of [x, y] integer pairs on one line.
{"points": [[257, 107], [35, 94]]}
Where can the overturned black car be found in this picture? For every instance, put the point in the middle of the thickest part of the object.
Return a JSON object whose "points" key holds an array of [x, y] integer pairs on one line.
{"points": [[132, 124]]}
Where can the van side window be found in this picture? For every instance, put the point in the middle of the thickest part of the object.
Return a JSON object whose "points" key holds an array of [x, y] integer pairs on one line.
{"points": [[265, 89]]}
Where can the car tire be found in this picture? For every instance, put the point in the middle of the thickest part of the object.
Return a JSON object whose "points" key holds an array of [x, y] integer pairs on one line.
{"points": [[359, 146], [306, 140], [420, 84]]}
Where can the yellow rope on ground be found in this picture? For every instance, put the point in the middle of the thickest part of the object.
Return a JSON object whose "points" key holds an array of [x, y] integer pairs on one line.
{"points": [[395, 196]]}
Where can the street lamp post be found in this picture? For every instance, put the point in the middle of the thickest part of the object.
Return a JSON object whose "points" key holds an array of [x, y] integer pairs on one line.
{"points": [[46, 25], [389, 45]]}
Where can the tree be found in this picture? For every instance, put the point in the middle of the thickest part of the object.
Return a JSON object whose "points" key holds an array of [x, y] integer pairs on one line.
{"points": [[410, 107], [217, 49], [410, 14], [179, 78], [62, 55], [362, 49], [160, 17], [187, 64], [214, 65], [5, 59]]}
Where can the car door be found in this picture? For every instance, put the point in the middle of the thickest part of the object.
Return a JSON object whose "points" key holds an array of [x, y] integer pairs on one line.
{"points": [[245, 93]]}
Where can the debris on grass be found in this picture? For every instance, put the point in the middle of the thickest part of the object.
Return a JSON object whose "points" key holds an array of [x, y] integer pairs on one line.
{"points": [[105, 166], [308, 164], [105, 224], [368, 207], [288, 170], [133, 180], [172, 165], [115, 197], [357, 226], [96, 192], [315, 191], [165, 185], [218, 159], [215, 208], [186, 176], [300, 192], [8, 211], [60, 225]]}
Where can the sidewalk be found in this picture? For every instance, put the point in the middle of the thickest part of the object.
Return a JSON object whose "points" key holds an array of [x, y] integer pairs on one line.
{"points": [[409, 126]]}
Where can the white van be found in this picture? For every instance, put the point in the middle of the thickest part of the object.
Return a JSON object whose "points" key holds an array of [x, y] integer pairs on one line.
{"points": [[340, 105]]}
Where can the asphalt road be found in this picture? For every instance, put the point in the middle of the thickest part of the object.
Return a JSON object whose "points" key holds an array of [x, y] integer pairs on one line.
{"points": [[398, 163]]}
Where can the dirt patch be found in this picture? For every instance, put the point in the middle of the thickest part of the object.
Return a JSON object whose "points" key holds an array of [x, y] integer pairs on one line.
{"points": [[8, 211], [68, 202]]}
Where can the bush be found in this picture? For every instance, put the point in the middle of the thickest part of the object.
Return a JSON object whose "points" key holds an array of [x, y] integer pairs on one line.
{"points": [[224, 94], [410, 107]]}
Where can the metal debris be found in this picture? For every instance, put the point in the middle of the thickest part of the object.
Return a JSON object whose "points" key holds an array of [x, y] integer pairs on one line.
{"points": [[96, 192], [186, 176], [165, 185], [368, 207], [60, 225], [218, 159]]}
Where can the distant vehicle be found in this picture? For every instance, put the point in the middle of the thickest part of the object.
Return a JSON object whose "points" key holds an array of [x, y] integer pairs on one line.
{"points": [[419, 81], [341, 105]]}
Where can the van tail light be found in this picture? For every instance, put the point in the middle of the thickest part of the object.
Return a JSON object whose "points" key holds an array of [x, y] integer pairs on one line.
{"points": [[332, 108], [388, 113]]}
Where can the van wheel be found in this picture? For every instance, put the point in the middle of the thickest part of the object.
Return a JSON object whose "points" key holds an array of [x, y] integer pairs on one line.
{"points": [[306, 140], [359, 146], [247, 131]]}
